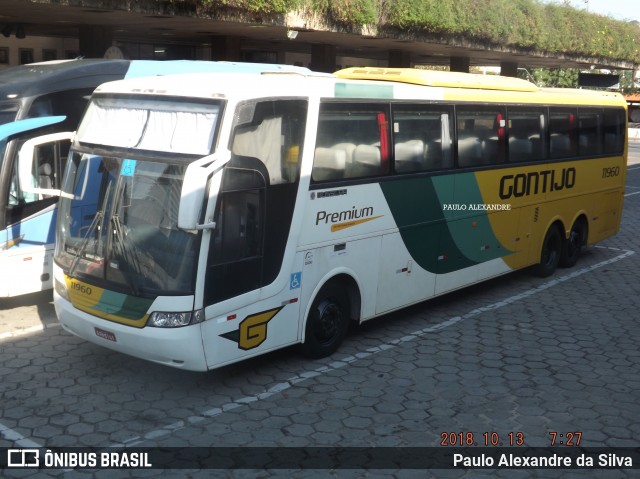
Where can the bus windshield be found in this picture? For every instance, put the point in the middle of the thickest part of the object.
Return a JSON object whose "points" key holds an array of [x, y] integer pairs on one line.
{"points": [[163, 125], [118, 225], [117, 222]]}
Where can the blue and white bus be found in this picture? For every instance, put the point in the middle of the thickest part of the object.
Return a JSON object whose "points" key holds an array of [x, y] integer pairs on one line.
{"points": [[42, 99]]}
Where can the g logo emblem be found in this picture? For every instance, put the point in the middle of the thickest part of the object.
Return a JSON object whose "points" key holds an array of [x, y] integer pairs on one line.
{"points": [[252, 331]]}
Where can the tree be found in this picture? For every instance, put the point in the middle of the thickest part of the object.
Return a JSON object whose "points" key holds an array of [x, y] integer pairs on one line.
{"points": [[553, 77]]}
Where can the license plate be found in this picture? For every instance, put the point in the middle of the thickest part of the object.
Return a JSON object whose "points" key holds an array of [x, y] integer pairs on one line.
{"points": [[105, 334]]}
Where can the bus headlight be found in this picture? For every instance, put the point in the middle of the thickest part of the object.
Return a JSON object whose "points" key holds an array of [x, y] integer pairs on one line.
{"points": [[175, 320]]}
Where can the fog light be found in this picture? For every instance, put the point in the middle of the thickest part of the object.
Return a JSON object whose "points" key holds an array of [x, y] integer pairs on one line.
{"points": [[61, 289]]}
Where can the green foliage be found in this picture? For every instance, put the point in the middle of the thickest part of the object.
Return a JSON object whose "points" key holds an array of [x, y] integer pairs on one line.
{"points": [[527, 24], [627, 82], [253, 6], [555, 77], [346, 12]]}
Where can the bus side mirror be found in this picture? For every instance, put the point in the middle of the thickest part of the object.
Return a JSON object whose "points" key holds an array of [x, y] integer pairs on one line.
{"points": [[35, 172], [194, 189]]}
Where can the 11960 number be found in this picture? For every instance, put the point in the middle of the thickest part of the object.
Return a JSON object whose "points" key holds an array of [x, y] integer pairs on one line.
{"points": [[610, 172], [81, 288]]}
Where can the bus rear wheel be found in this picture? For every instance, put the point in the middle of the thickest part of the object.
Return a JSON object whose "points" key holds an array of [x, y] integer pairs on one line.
{"points": [[550, 255], [572, 247], [327, 322]]}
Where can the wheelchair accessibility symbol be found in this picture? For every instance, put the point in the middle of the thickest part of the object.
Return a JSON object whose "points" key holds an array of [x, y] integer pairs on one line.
{"points": [[128, 167], [296, 279]]}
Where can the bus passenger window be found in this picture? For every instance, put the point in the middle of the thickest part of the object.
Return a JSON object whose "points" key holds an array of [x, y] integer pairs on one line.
{"points": [[329, 164], [563, 140], [590, 138], [422, 139], [352, 142], [481, 136], [614, 131], [526, 134]]}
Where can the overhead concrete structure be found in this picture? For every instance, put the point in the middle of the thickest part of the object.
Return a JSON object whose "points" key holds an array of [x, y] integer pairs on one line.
{"points": [[101, 24]]}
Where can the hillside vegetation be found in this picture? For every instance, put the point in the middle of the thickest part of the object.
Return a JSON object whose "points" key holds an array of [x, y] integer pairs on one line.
{"points": [[523, 24]]}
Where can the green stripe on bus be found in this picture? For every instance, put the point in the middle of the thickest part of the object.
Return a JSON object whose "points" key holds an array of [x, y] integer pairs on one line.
{"points": [[363, 91], [417, 211], [472, 235], [123, 305], [442, 241]]}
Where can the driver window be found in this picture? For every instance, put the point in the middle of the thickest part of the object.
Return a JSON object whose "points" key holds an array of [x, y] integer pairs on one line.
{"points": [[272, 132], [48, 164]]}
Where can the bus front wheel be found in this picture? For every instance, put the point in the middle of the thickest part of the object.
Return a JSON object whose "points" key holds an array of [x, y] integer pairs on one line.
{"points": [[327, 322], [550, 255]]}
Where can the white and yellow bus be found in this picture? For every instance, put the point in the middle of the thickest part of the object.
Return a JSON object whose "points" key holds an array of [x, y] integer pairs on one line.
{"points": [[211, 218]]}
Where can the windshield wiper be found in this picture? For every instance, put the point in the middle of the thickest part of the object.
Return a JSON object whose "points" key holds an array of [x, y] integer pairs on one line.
{"points": [[98, 216], [131, 257]]}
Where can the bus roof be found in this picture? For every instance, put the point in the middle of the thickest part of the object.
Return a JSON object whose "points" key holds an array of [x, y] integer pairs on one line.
{"points": [[228, 83], [27, 80], [437, 78], [225, 83]]}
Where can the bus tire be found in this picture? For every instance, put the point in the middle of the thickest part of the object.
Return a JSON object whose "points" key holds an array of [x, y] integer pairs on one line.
{"points": [[550, 254], [327, 322], [572, 247]]}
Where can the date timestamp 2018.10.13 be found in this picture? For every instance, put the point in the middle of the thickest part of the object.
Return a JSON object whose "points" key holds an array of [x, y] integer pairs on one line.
{"points": [[485, 439], [511, 439]]}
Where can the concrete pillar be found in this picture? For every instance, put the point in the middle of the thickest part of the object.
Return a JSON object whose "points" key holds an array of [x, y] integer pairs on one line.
{"points": [[509, 69], [323, 57], [94, 41], [399, 59], [226, 48], [459, 64]]}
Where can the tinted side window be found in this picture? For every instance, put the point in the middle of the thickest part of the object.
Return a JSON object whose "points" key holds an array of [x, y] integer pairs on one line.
{"points": [[421, 138], [563, 141], [239, 219], [71, 104], [352, 142], [527, 139], [615, 129], [236, 249], [481, 135], [591, 136]]}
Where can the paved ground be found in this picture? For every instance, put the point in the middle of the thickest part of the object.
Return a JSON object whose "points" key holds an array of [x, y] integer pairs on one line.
{"points": [[516, 354]]}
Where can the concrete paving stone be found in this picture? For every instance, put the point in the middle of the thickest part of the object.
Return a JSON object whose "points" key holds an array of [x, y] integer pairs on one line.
{"points": [[338, 404], [298, 430], [613, 441], [46, 431], [357, 422], [32, 421], [65, 419], [446, 378], [256, 414]]}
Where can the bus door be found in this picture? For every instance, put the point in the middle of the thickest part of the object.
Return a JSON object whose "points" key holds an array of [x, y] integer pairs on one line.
{"points": [[248, 246], [31, 218]]}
